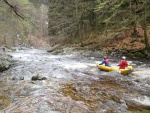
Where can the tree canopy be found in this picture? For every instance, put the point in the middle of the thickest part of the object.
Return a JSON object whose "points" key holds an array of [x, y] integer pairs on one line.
{"points": [[76, 17]]}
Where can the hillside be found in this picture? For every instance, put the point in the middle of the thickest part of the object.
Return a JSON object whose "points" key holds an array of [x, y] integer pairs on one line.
{"points": [[117, 27], [126, 43]]}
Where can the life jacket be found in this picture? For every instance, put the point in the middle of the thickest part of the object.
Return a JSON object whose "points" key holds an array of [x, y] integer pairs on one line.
{"points": [[106, 62], [123, 64]]}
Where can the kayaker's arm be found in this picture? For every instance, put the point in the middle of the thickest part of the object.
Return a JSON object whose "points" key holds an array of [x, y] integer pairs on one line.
{"points": [[103, 61]]}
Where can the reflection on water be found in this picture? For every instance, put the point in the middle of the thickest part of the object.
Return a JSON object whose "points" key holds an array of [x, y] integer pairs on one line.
{"points": [[73, 84]]}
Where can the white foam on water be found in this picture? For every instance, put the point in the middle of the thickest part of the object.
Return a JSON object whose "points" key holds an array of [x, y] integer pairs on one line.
{"points": [[143, 100]]}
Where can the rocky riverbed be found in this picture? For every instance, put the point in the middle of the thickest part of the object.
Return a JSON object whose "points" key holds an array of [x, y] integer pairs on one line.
{"points": [[44, 83]]}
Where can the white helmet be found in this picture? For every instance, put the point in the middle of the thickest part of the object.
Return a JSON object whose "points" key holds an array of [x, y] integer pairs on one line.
{"points": [[124, 57]]}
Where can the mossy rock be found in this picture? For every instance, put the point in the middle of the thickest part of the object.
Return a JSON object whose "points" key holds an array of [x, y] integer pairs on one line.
{"points": [[6, 62], [146, 52]]}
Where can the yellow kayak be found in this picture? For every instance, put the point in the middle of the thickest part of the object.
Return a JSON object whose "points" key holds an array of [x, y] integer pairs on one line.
{"points": [[122, 71]]}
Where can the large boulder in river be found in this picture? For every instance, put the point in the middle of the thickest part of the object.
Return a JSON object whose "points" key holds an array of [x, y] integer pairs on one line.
{"points": [[5, 62]]}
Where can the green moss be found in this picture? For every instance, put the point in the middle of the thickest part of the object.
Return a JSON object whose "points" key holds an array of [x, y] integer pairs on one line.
{"points": [[143, 41]]}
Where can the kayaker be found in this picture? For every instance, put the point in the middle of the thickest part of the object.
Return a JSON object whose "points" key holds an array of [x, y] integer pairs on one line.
{"points": [[105, 61], [123, 63]]}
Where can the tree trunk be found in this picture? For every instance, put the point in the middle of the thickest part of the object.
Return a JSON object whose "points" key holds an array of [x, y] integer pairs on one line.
{"points": [[145, 36], [145, 29]]}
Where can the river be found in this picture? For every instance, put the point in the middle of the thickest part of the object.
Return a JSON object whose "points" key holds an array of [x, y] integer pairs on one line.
{"points": [[44, 83]]}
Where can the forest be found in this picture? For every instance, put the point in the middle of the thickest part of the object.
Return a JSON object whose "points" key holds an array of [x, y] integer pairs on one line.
{"points": [[93, 24]]}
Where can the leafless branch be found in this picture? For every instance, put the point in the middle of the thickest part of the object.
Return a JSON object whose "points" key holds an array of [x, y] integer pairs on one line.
{"points": [[14, 8]]}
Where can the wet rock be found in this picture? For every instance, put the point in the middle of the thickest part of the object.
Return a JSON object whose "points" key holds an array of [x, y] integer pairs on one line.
{"points": [[137, 80], [68, 50], [22, 92], [38, 78], [54, 48], [17, 78], [6, 62]]}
